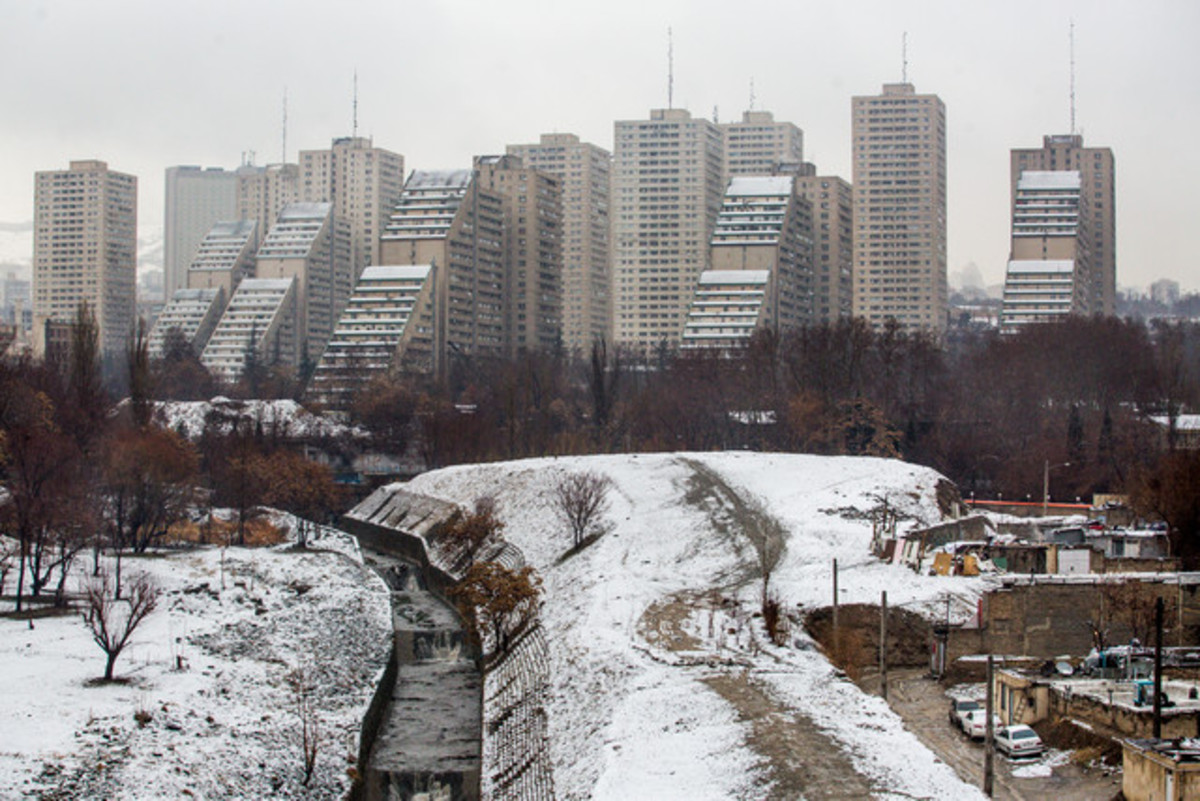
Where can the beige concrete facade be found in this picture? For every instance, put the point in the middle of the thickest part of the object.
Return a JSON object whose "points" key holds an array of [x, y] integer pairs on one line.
{"points": [[310, 244], [667, 191], [363, 182], [832, 201], [533, 256], [1050, 270], [758, 144], [388, 323], [263, 192], [1097, 169], [584, 172], [899, 159], [444, 219], [766, 225], [85, 250], [195, 200]]}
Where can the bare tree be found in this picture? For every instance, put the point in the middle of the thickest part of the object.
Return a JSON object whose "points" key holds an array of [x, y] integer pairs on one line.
{"points": [[302, 685], [466, 533], [581, 499], [497, 602], [112, 621]]}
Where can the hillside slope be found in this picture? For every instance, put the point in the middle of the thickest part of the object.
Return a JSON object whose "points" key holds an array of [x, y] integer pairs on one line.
{"points": [[662, 682]]}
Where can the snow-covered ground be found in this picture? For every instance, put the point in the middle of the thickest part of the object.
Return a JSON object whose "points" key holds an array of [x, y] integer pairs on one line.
{"points": [[238, 621], [657, 661], [285, 417]]}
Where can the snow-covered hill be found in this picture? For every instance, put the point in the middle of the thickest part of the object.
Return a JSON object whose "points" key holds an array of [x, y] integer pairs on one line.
{"points": [[663, 685]]}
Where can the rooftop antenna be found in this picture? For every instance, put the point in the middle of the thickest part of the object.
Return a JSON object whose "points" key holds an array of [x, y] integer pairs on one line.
{"points": [[1072, 77], [904, 57], [670, 69], [716, 118], [752, 94], [355, 126], [284, 159]]}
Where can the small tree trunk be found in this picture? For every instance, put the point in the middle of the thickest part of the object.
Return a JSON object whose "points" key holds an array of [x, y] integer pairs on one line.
{"points": [[21, 573]]}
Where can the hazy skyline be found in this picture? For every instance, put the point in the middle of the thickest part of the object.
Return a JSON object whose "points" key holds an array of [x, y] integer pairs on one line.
{"points": [[147, 85]]}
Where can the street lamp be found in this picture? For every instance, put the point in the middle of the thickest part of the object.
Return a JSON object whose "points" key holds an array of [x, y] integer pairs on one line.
{"points": [[1046, 483]]}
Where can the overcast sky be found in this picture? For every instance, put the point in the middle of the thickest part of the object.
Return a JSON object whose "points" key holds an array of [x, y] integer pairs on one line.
{"points": [[146, 84]]}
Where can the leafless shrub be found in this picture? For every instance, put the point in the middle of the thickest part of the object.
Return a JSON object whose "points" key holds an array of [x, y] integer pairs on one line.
{"points": [[112, 621], [581, 499], [774, 618], [302, 686]]}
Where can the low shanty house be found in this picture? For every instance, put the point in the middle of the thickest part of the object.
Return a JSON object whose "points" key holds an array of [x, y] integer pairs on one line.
{"points": [[1078, 559], [1113, 705], [913, 549], [1021, 557], [1161, 770], [1130, 543], [1022, 697]]}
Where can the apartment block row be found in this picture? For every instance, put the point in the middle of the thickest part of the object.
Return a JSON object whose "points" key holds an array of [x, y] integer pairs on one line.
{"points": [[688, 234]]}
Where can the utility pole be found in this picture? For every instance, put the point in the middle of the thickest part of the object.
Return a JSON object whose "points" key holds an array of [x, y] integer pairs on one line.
{"points": [[1158, 631], [883, 645], [835, 608], [989, 744]]}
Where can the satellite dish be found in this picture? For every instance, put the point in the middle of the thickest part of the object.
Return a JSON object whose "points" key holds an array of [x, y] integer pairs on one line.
{"points": [[1064, 668]]}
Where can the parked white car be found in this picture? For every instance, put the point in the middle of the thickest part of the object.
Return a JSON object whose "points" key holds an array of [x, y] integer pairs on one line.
{"points": [[959, 708], [1018, 740], [975, 724]]}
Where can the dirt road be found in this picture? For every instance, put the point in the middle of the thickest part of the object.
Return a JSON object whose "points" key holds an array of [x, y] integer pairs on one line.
{"points": [[923, 705]]}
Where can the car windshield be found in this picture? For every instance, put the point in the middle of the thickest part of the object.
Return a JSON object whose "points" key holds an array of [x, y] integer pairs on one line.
{"points": [[968, 705], [1022, 734]]}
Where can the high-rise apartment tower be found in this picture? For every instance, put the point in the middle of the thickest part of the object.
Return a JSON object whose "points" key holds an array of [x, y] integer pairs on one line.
{"points": [[85, 250], [196, 199], [583, 171], [667, 192], [1098, 187], [362, 182], [758, 144], [532, 203], [899, 161]]}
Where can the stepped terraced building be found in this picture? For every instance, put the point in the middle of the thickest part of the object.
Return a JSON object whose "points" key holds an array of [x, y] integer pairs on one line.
{"points": [[259, 326], [1098, 194], [446, 220], [224, 258], [1050, 271], [761, 257], [311, 245], [387, 323]]}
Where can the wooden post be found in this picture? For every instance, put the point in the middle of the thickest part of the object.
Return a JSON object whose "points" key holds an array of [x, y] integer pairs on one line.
{"points": [[989, 744], [883, 644]]}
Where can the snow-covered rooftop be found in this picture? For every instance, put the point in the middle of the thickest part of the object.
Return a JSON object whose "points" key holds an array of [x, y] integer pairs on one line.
{"points": [[761, 185], [735, 277], [1041, 266], [1049, 179]]}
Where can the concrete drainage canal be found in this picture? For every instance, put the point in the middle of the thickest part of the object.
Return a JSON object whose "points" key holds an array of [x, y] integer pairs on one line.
{"points": [[427, 741]]}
